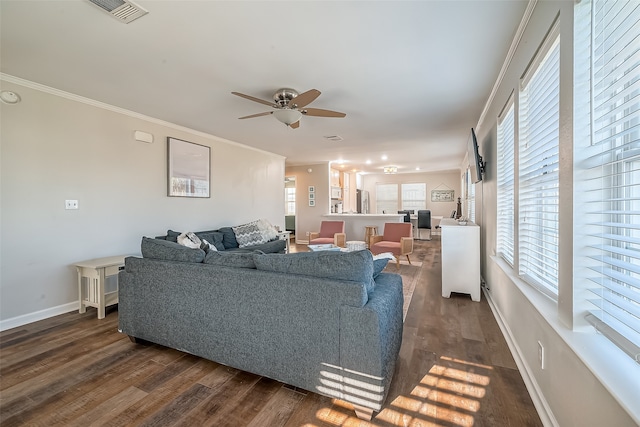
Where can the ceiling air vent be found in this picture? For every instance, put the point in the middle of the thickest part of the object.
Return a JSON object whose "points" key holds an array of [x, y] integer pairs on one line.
{"points": [[336, 138], [123, 11]]}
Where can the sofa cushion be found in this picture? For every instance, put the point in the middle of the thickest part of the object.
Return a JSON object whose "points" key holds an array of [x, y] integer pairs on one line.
{"points": [[169, 251], [231, 259], [355, 266], [229, 238], [272, 247]]}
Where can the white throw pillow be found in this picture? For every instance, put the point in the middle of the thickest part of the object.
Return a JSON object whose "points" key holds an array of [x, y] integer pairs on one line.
{"points": [[190, 240]]}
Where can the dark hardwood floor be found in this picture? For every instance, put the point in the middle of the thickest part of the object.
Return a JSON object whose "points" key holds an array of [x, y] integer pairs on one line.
{"points": [[455, 369]]}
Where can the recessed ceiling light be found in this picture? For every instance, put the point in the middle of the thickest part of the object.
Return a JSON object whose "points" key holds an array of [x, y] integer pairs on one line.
{"points": [[368, 162], [418, 168], [384, 157]]}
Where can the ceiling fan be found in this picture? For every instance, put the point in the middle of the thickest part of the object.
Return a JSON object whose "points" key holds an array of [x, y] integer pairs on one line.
{"points": [[289, 106]]}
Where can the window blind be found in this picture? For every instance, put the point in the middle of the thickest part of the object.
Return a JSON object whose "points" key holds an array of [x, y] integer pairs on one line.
{"points": [[538, 172], [613, 174], [506, 185], [386, 198], [414, 196], [471, 197]]}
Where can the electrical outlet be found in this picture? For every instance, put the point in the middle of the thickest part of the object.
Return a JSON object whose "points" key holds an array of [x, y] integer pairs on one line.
{"points": [[307, 234], [71, 204], [541, 354]]}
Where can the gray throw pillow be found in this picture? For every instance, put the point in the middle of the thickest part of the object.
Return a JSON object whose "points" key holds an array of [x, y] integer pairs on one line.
{"points": [[169, 251], [356, 266], [379, 265], [213, 237], [229, 238], [231, 259], [172, 236]]}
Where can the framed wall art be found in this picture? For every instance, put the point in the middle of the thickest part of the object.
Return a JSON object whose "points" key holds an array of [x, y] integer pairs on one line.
{"points": [[442, 195], [188, 169]]}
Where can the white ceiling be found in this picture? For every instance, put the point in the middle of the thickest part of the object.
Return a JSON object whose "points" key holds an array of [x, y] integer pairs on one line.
{"points": [[411, 76]]}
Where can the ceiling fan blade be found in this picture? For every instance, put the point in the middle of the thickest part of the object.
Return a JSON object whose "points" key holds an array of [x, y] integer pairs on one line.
{"points": [[304, 99], [295, 125], [251, 98], [321, 113], [257, 115]]}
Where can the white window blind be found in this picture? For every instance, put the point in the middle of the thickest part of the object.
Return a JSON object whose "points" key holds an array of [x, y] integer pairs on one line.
{"points": [[386, 198], [506, 184], [414, 196], [613, 174], [538, 170], [470, 194]]}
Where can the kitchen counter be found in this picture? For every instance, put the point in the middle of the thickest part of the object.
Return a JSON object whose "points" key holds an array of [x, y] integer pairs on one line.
{"points": [[355, 223]]}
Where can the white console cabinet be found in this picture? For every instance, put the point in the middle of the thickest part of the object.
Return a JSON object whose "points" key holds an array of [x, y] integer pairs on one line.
{"points": [[460, 258]]}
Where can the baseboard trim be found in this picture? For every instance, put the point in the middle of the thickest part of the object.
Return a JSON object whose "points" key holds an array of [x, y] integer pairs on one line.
{"points": [[24, 319], [540, 403]]}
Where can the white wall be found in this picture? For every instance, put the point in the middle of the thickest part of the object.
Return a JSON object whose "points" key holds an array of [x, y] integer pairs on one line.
{"points": [[55, 148], [573, 389]]}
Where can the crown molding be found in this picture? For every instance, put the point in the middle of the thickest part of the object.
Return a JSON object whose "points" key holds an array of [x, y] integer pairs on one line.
{"points": [[507, 62], [92, 102]]}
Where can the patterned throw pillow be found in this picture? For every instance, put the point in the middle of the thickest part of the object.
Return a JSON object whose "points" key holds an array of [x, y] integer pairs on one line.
{"points": [[249, 234]]}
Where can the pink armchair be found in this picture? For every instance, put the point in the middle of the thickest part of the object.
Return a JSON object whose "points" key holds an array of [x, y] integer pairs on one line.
{"points": [[330, 232], [397, 238]]}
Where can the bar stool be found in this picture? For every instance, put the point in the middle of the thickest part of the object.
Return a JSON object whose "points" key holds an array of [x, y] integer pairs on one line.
{"points": [[369, 232]]}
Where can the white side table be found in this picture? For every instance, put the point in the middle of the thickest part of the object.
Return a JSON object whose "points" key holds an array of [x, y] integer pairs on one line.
{"points": [[96, 271], [286, 236]]}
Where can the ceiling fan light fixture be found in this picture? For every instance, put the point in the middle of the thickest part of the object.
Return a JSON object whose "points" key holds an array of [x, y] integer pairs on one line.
{"points": [[287, 116]]}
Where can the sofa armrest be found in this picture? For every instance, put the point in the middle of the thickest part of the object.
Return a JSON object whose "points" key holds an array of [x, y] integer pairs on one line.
{"points": [[406, 244], [314, 235], [370, 339], [340, 239]]}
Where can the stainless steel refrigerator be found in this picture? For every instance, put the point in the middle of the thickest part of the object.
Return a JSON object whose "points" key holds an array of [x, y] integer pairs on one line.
{"points": [[362, 201]]}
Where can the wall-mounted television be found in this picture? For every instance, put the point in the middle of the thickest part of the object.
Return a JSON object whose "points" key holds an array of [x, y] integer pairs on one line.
{"points": [[476, 165]]}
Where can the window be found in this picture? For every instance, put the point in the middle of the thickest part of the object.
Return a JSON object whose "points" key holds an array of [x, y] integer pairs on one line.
{"points": [[470, 196], [414, 196], [505, 187], [538, 170], [386, 198], [290, 201], [610, 170]]}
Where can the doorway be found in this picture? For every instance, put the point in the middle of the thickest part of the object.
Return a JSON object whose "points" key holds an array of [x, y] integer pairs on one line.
{"points": [[290, 205]]}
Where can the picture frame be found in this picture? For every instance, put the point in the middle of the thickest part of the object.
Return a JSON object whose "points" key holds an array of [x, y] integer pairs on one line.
{"points": [[442, 195], [312, 189], [312, 202], [188, 169]]}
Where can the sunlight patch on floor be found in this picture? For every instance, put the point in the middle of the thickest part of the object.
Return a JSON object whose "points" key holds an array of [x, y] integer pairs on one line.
{"points": [[446, 395]]}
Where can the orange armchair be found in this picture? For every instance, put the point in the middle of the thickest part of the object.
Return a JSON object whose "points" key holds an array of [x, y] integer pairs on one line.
{"points": [[396, 238], [330, 232]]}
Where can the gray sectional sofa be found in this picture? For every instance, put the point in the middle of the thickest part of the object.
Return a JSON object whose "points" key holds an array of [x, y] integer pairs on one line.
{"points": [[327, 322]]}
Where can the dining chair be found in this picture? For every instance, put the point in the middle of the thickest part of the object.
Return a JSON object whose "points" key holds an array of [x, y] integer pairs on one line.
{"points": [[424, 221]]}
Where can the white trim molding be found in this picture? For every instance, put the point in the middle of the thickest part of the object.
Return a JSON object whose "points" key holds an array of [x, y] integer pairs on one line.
{"points": [[24, 319]]}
